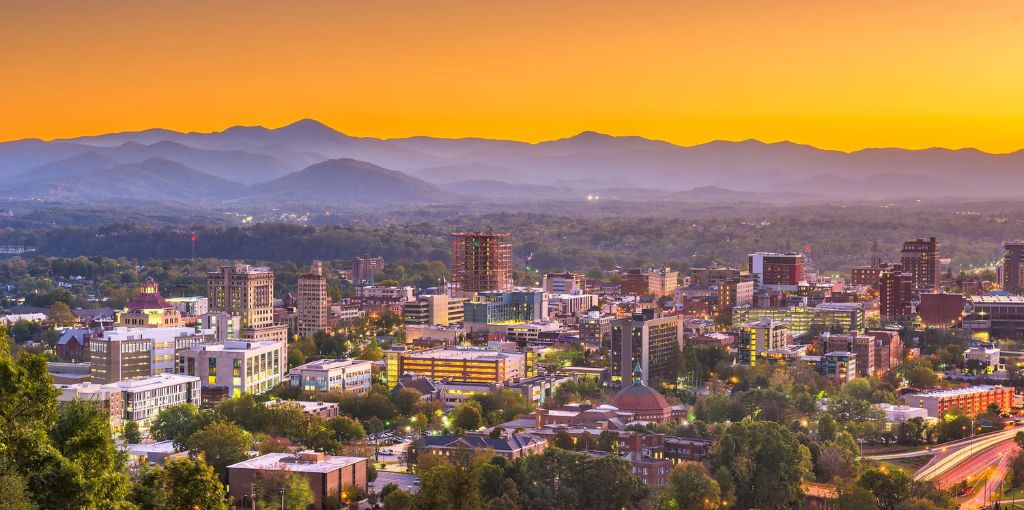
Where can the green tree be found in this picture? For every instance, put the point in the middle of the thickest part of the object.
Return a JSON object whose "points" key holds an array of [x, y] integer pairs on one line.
{"points": [[857, 498], [691, 488], [15, 493], [398, 500], [467, 416], [59, 315], [766, 463], [182, 484], [405, 400], [827, 428], [131, 432], [890, 487], [297, 493], [221, 444], [178, 422], [83, 435], [346, 429]]}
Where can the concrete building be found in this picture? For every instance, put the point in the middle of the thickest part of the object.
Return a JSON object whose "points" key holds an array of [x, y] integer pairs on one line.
{"points": [[247, 292], [434, 310], [986, 356], [645, 340], [845, 316], [596, 329], [972, 400], [236, 366], [132, 353], [106, 398], [735, 292], [1004, 313], [839, 366], [482, 262], [190, 306], [1013, 267], [920, 258], [148, 309], [781, 271], [363, 269], [564, 283], [895, 292], [379, 293], [863, 346], [314, 305], [327, 475], [333, 375], [144, 398], [704, 277], [322, 410], [649, 282], [571, 304], [467, 365], [754, 340]]}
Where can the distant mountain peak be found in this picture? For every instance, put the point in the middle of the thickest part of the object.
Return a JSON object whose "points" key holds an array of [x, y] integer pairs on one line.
{"points": [[307, 126]]}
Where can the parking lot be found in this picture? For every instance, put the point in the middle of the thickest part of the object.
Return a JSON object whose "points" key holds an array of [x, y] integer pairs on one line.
{"points": [[405, 481]]}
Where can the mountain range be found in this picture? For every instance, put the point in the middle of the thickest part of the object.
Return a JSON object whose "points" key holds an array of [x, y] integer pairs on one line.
{"points": [[309, 163]]}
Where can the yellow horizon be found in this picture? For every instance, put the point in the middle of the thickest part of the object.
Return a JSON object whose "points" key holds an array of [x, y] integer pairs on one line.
{"points": [[838, 76]]}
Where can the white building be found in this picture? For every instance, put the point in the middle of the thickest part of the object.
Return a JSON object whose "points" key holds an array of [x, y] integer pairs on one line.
{"points": [[571, 304], [143, 399], [902, 413], [333, 375], [399, 294], [988, 357], [240, 366]]}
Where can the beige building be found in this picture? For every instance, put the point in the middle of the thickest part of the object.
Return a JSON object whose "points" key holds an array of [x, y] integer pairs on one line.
{"points": [[649, 282], [314, 304], [237, 366], [144, 398], [434, 310], [132, 353], [148, 309], [645, 340], [333, 375], [247, 292]]}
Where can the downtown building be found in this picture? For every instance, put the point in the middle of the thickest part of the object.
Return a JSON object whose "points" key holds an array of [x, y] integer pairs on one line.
{"points": [[143, 399], [148, 309], [482, 262], [649, 282], [247, 292], [895, 292], [778, 271], [648, 341], [460, 366], [314, 305], [133, 353], [1013, 267], [231, 368], [862, 346], [434, 310], [363, 269], [920, 258], [348, 375], [827, 316], [972, 400], [564, 283], [755, 341]]}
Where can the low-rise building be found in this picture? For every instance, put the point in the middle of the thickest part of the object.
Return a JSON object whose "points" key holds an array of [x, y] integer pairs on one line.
{"points": [[971, 400], [324, 410], [333, 375], [988, 357], [467, 365], [327, 475], [107, 399], [236, 366], [845, 316], [511, 447], [144, 398], [840, 366]]}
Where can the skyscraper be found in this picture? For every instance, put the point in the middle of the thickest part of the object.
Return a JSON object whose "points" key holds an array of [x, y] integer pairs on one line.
{"points": [[645, 340], [1013, 265], [247, 292], [895, 287], [363, 269], [482, 262], [313, 304], [920, 258]]}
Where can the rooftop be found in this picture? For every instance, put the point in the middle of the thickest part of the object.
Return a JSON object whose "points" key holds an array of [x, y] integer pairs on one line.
{"points": [[956, 391], [992, 300], [461, 354], [331, 364], [303, 462], [152, 382]]}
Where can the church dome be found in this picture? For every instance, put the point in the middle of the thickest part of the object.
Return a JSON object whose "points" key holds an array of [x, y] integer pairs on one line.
{"points": [[639, 398]]}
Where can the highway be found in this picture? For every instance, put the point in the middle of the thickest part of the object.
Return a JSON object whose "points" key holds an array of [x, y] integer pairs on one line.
{"points": [[955, 457], [994, 465]]}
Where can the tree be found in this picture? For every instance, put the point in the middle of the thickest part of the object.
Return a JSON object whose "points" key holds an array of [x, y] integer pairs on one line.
{"points": [[346, 429], [857, 498], [691, 488], [765, 461], [178, 422], [15, 493], [467, 416], [827, 428], [131, 432], [297, 493], [83, 435], [60, 316], [222, 444], [398, 500], [890, 487], [405, 400], [1019, 439], [182, 484]]}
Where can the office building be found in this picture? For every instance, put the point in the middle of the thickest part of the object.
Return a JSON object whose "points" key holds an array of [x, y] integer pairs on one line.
{"points": [[465, 365], [1013, 267], [971, 401], [148, 309], [649, 282], [782, 271], [481, 262], [862, 346], [327, 476], [322, 410], [1003, 313], [888, 349], [827, 316], [895, 292], [314, 306], [142, 399], [704, 277], [647, 341], [434, 310], [839, 366], [132, 353], [236, 366], [866, 275], [920, 258], [333, 375], [596, 330], [564, 283], [735, 292], [364, 268], [102, 396], [190, 306], [754, 340], [247, 292], [502, 308]]}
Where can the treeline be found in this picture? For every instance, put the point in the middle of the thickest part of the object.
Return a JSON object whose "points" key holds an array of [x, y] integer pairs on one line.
{"points": [[839, 238]]}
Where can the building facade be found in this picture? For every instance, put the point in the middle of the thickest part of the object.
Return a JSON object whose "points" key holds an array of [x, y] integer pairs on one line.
{"points": [[649, 282], [920, 258], [327, 476], [564, 283], [148, 309], [972, 400], [862, 346], [333, 375], [895, 292], [778, 270], [511, 307], [434, 310], [236, 366], [142, 399], [482, 262], [363, 269], [247, 292], [645, 340], [131, 353], [755, 340], [844, 316], [314, 305], [459, 365]]}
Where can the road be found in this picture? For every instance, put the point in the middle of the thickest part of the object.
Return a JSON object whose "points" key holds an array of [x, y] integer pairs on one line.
{"points": [[995, 469], [949, 458]]}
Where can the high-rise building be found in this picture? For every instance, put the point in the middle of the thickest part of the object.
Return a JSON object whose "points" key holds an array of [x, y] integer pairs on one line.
{"points": [[648, 341], [840, 366], [482, 262], [247, 292], [779, 270], [862, 346], [132, 353], [148, 309], [1013, 266], [596, 330], [314, 306], [235, 367], [920, 258], [756, 339], [888, 349], [513, 307], [649, 282], [735, 292], [363, 269], [895, 289]]}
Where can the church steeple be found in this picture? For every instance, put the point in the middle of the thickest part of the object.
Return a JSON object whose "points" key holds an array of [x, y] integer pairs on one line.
{"points": [[638, 374]]}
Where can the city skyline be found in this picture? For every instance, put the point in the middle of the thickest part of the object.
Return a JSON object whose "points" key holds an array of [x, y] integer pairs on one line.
{"points": [[912, 76]]}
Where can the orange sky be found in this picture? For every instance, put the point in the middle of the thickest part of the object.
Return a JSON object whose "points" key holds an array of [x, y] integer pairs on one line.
{"points": [[830, 73]]}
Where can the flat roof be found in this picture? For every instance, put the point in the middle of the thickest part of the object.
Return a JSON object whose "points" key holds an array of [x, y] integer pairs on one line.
{"points": [[956, 391], [152, 382], [462, 354], [329, 364], [996, 300], [292, 462]]}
